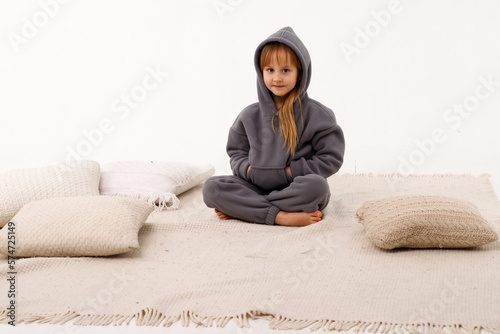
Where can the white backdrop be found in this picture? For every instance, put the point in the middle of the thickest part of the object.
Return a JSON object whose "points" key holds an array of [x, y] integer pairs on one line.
{"points": [[414, 84]]}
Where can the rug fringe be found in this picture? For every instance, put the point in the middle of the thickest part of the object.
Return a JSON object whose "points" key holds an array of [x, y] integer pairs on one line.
{"points": [[154, 318]]}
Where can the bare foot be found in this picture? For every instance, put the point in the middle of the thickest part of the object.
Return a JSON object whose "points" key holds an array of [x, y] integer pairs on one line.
{"points": [[222, 215], [297, 218]]}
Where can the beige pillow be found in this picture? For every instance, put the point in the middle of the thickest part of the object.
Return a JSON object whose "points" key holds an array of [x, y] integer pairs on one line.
{"points": [[424, 222], [18, 187], [76, 226], [157, 182]]}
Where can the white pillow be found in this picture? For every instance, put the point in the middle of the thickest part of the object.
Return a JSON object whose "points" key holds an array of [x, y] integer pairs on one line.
{"points": [[18, 187], [76, 226], [156, 182]]}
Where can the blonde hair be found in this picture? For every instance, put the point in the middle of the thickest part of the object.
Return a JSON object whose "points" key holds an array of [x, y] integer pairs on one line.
{"points": [[285, 113]]}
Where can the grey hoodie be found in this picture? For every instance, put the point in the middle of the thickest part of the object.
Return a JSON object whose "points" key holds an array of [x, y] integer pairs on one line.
{"points": [[252, 142]]}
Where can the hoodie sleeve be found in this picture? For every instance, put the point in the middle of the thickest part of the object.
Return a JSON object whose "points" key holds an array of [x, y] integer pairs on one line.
{"points": [[329, 146], [238, 148]]}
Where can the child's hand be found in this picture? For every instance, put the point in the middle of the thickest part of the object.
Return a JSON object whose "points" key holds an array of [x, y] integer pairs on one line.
{"points": [[289, 171]]}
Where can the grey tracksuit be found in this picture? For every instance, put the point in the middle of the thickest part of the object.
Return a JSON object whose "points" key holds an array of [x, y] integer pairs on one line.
{"points": [[268, 189]]}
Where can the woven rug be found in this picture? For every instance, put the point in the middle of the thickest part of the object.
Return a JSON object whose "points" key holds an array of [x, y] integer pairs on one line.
{"points": [[195, 269]]}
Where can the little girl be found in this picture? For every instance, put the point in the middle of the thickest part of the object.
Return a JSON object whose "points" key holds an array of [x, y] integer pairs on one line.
{"points": [[282, 148]]}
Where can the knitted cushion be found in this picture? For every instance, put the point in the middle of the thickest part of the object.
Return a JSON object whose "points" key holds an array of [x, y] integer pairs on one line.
{"points": [[156, 182], [76, 226], [424, 222], [18, 187]]}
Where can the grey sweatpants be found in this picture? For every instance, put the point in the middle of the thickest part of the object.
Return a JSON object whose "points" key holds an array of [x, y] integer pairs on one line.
{"points": [[244, 200]]}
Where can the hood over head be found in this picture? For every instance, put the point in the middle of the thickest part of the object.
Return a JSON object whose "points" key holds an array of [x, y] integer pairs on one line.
{"points": [[288, 37]]}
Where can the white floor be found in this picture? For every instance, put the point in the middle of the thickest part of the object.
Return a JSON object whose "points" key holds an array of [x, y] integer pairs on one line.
{"points": [[257, 326]]}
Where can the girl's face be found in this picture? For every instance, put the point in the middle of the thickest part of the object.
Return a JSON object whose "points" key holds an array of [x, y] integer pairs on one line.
{"points": [[280, 76]]}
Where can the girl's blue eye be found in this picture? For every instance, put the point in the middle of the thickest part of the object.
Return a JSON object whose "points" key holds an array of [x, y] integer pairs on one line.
{"points": [[286, 70]]}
